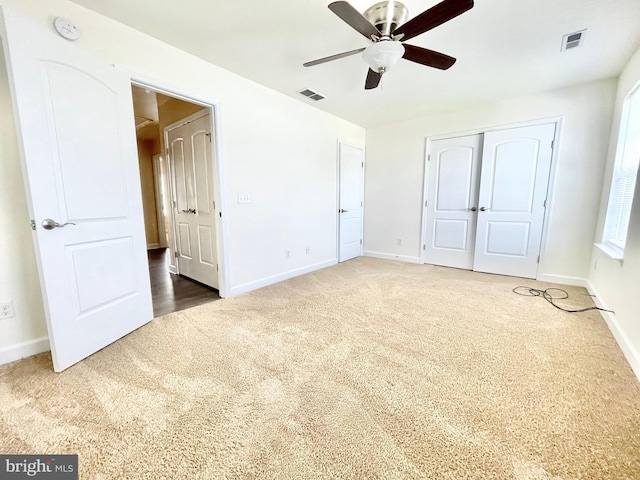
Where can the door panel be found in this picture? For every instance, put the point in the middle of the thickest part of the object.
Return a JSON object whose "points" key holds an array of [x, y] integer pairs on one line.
{"points": [[103, 271], [206, 242], [507, 238], [513, 189], [351, 161], [74, 117], [202, 168], [450, 234], [451, 195], [177, 156], [184, 245], [95, 110], [514, 174], [190, 147]]}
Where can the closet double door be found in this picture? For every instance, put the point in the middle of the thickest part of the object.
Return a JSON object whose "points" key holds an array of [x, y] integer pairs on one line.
{"points": [[486, 200]]}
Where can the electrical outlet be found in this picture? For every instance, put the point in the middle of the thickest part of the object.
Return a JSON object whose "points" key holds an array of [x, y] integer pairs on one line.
{"points": [[399, 242], [287, 254], [7, 310]]}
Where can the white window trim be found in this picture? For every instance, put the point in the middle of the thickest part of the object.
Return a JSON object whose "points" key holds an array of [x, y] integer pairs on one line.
{"points": [[612, 251], [611, 248]]}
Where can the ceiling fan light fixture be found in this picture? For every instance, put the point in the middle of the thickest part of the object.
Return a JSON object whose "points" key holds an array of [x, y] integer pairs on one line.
{"points": [[382, 55]]}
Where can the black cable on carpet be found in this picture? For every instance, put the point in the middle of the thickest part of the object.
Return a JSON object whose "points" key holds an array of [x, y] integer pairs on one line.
{"points": [[534, 292]]}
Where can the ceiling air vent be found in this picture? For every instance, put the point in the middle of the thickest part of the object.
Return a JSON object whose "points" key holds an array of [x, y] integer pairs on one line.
{"points": [[311, 94], [572, 40]]}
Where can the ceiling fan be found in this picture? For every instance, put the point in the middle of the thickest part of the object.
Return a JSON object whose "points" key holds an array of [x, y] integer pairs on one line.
{"points": [[385, 24]]}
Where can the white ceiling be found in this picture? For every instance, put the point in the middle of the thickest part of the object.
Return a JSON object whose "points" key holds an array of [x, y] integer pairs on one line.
{"points": [[505, 48]]}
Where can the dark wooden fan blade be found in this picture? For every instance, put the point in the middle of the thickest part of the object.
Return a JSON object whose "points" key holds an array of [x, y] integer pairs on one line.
{"points": [[431, 18], [373, 80], [427, 57], [333, 57], [354, 18]]}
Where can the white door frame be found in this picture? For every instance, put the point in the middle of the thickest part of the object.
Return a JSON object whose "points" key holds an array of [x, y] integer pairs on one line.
{"points": [[157, 180], [164, 88], [550, 188], [340, 142]]}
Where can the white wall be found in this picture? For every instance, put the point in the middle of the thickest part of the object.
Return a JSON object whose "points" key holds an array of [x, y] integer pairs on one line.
{"points": [[394, 177], [280, 151], [616, 283], [26, 332]]}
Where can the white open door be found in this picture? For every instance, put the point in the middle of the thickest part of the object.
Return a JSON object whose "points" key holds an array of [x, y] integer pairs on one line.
{"points": [[351, 161], [74, 118], [452, 192], [189, 151], [513, 191]]}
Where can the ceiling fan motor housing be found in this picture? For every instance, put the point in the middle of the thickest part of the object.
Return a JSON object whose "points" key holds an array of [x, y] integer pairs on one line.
{"points": [[387, 16]]}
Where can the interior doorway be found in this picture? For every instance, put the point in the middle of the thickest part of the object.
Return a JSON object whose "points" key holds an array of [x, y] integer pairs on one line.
{"points": [[350, 202], [171, 289]]}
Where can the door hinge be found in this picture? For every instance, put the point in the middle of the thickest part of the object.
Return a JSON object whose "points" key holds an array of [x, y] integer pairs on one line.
{"points": [[208, 135], [545, 203], [174, 204], [33, 224], [552, 143], [361, 204], [217, 268], [214, 204], [538, 258], [426, 203], [362, 164], [424, 247], [360, 241], [220, 214], [175, 254]]}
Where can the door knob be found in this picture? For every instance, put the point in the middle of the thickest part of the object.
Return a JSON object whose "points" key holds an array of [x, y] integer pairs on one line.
{"points": [[483, 209], [342, 210], [473, 209], [49, 224]]}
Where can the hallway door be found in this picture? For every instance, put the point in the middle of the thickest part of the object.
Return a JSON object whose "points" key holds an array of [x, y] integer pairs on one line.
{"points": [[189, 145], [351, 202]]}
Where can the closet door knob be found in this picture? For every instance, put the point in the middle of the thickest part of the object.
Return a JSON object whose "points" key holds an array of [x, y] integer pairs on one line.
{"points": [[473, 209], [483, 209]]}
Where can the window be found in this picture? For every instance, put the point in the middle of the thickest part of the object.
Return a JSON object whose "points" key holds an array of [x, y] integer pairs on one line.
{"points": [[624, 176]]}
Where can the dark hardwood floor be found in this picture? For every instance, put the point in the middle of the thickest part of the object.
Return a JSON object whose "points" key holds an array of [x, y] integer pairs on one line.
{"points": [[170, 292]]}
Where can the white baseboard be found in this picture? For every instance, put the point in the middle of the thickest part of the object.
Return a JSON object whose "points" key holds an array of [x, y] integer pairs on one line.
{"points": [[630, 352], [628, 349], [22, 350], [265, 282], [563, 280], [390, 256]]}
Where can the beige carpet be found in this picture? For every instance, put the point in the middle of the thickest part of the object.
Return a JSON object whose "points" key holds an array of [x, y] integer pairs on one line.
{"points": [[370, 369]]}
